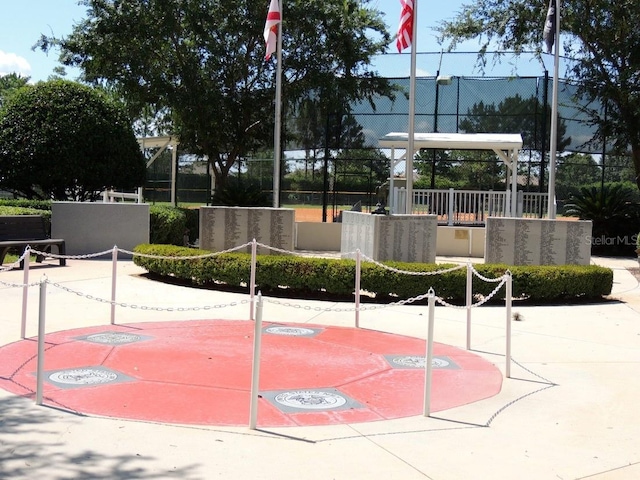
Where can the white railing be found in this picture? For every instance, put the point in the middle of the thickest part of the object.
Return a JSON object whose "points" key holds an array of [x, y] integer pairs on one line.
{"points": [[109, 196], [469, 206]]}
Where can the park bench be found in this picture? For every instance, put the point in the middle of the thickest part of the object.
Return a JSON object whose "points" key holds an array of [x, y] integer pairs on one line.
{"points": [[20, 231]]}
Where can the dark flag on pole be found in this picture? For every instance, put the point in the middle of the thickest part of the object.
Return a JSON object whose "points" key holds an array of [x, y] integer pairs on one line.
{"points": [[549, 33]]}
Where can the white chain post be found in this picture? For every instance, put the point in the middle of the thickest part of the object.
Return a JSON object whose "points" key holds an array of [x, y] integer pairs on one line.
{"points": [[252, 280], [469, 296], [508, 294], [114, 272], [255, 373], [429, 354], [41, 333], [357, 287], [25, 291]]}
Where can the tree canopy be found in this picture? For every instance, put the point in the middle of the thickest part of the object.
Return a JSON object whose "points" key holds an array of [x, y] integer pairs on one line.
{"points": [[9, 84], [65, 141], [201, 62], [600, 37]]}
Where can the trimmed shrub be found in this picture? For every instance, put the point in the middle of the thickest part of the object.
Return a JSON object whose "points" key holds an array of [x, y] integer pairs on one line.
{"points": [[302, 275], [167, 225]]}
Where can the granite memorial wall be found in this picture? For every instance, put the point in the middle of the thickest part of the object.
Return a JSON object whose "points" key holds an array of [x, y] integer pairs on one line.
{"points": [[532, 241], [404, 238], [222, 228]]}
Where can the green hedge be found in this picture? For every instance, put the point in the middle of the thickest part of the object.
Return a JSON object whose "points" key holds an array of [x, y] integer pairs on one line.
{"points": [[32, 210], [302, 275]]}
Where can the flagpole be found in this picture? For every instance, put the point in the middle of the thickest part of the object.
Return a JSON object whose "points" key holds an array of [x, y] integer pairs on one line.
{"points": [[278, 117], [412, 111], [551, 207]]}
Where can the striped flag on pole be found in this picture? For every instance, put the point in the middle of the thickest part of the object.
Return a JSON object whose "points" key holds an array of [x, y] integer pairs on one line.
{"points": [[405, 30], [549, 32], [271, 28]]}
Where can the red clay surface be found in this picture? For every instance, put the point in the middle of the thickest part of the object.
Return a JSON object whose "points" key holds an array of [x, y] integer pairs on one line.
{"points": [[199, 372]]}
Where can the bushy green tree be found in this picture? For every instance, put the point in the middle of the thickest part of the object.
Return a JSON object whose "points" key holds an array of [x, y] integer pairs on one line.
{"points": [[602, 39], [9, 84], [202, 63], [65, 141]]}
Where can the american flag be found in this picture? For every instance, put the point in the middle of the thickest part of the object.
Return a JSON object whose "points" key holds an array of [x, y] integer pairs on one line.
{"points": [[271, 28], [405, 30]]}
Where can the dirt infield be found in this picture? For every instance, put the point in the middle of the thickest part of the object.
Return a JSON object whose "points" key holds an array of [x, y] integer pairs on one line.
{"points": [[311, 215]]}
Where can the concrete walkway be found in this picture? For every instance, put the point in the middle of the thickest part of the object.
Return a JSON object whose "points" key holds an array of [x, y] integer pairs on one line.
{"points": [[568, 412]]}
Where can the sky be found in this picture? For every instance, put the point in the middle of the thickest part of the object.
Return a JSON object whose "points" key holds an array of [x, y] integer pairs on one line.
{"points": [[22, 22]]}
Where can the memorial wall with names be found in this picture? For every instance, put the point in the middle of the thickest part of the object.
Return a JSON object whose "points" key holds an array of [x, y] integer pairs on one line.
{"points": [[222, 228], [533, 241], [404, 238]]}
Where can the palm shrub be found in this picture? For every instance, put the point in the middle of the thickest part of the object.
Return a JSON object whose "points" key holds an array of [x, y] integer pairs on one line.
{"points": [[614, 213]]}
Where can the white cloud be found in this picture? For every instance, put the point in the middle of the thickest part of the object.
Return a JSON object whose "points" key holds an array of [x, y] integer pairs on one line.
{"points": [[10, 63]]}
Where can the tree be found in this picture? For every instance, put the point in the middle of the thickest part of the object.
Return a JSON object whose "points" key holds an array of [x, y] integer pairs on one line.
{"points": [[526, 116], [202, 62], [9, 84], [600, 36], [515, 115], [65, 141]]}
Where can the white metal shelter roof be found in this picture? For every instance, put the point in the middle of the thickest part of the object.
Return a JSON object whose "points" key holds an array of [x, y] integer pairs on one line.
{"points": [[454, 141], [505, 145]]}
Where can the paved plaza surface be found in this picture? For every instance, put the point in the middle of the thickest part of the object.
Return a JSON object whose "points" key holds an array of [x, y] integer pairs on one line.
{"points": [[569, 410]]}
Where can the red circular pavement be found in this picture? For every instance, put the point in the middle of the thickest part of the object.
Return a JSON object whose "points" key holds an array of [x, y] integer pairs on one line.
{"points": [[199, 372]]}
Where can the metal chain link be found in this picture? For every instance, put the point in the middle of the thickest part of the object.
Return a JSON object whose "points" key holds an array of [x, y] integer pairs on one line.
{"points": [[349, 309], [192, 257], [473, 305], [145, 307], [16, 264], [486, 279], [407, 272], [70, 257], [19, 285]]}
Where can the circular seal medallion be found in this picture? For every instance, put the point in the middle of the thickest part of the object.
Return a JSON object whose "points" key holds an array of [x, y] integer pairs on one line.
{"points": [[83, 376], [418, 361], [410, 361], [113, 338], [310, 399], [289, 331]]}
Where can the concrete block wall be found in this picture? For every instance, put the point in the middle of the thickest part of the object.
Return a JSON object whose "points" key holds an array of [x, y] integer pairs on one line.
{"points": [[96, 227]]}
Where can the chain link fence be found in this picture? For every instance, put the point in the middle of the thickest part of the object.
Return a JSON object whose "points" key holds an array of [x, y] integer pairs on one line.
{"points": [[345, 169]]}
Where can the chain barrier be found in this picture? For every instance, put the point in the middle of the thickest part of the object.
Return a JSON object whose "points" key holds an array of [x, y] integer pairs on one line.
{"points": [[193, 257], [478, 304], [298, 306], [72, 257], [440, 300], [486, 279], [146, 307], [500, 280], [19, 285], [408, 272], [16, 264]]}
